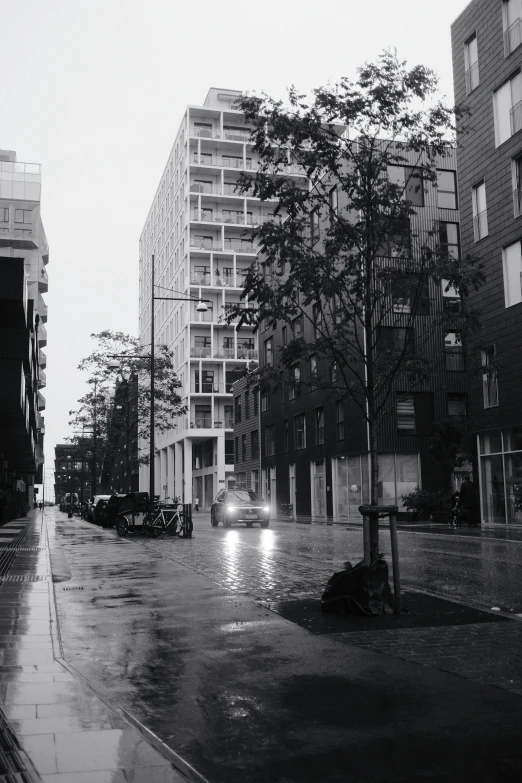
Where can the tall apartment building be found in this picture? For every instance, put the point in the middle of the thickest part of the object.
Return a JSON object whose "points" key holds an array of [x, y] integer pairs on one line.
{"points": [[197, 231], [314, 448], [487, 62], [24, 255]]}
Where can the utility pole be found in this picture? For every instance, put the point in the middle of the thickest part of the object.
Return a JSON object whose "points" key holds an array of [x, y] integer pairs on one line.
{"points": [[93, 469], [152, 444]]}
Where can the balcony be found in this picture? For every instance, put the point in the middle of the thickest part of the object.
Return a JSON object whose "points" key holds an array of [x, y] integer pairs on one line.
{"points": [[197, 352], [226, 162], [206, 216], [512, 37], [517, 202], [516, 117], [42, 380], [225, 281], [201, 423], [250, 354], [217, 133], [200, 280], [43, 280], [480, 225], [42, 359], [41, 402], [205, 244], [42, 335], [19, 238], [240, 245], [472, 77]]}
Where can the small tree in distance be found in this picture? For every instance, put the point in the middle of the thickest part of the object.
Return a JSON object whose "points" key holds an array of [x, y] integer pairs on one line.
{"points": [[340, 252], [112, 420]]}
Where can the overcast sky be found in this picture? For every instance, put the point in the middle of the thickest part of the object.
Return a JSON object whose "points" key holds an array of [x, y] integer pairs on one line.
{"points": [[94, 91]]}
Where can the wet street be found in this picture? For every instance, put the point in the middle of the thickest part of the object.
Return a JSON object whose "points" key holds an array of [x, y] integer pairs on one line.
{"points": [[180, 634]]}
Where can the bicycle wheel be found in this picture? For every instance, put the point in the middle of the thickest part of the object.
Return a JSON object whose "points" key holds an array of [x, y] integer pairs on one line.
{"points": [[186, 527], [173, 526], [122, 526], [153, 526]]}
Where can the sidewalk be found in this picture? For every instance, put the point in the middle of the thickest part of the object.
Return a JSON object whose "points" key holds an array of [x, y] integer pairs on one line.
{"points": [[53, 728]]}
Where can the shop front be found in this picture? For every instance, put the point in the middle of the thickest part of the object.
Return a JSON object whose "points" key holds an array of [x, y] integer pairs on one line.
{"points": [[500, 458]]}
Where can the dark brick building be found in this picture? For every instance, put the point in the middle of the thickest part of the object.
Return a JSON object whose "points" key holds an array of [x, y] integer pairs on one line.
{"points": [[247, 431], [487, 60], [314, 447]]}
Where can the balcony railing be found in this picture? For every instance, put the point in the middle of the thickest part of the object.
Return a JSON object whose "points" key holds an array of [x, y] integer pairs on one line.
{"points": [[217, 133], [217, 217], [480, 225], [512, 37], [224, 353], [241, 245], [227, 162], [42, 380], [248, 353], [201, 423], [205, 244], [472, 77], [226, 281], [241, 353], [207, 387], [42, 359], [197, 352], [202, 317], [516, 117]]}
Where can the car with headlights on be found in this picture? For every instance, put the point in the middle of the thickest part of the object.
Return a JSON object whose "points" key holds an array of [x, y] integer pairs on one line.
{"points": [[239, 505]]}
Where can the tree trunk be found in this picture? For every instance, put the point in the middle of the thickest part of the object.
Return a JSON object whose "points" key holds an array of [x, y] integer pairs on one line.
{"points": [[374, 478]]}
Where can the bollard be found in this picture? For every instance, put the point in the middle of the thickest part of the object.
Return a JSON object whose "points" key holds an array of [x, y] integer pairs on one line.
{"points": [[395, 563], [366, 540]]}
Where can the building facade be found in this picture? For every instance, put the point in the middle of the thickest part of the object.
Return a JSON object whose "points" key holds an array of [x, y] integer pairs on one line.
{"points": [[197, 231], [247, 431], [24, 255], [71, 472], [314, 446], [487, 61]]}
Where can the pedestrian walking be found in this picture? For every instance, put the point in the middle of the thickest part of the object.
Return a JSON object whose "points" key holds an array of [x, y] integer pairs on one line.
{"points": [[469, 501], [40, 505], [196, 503]]}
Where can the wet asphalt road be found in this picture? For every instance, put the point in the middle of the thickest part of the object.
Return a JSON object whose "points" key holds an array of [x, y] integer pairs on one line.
{"points": [[140, 623]]}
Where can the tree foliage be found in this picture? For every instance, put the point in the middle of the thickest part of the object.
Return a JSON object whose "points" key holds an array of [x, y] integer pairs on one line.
{"points": [[116, 409], [343, 263]]}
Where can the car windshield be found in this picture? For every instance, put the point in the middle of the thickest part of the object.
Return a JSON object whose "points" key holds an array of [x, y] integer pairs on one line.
{"points": [[242, 496]]}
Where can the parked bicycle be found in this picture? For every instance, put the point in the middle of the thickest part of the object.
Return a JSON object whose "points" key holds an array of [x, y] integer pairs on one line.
{"points": [[166, 518]]}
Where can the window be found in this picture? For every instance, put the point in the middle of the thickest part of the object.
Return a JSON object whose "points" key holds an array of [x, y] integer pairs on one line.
{"points": [[254, 444], [471, 63], [4, 214], [489, 377], [317, 318], [454, 352], [313, 371], [511, 13], [512, 266], [457, 406], [284, 335], [255, 396], [451, 302], [243, 448], [449, 238], [297, 327], [270, 440], [247, 405], [265, 400], [446, 189], [229, 417], [334, 372], [294, 388], [334, 202], [319, 426], [237, 410], [507, 109], [300, 431], [269, 352], [410, 181], [286, 443], [236, 449], [23, 216], [314, 226], [406, 415], [397, 340], [480, 215], [516, 175], [339, 418]]}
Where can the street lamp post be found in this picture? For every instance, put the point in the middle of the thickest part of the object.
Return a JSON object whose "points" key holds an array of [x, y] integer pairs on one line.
{"points": [[201, 307], [71, 487]]}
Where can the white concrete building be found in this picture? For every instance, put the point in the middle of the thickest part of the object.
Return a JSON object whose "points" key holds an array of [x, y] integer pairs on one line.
{"points": [[197, 230]]}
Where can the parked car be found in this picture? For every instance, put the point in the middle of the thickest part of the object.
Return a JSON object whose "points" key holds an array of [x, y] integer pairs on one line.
{"points": [[106, 516], [239, 505], [97, 505]]}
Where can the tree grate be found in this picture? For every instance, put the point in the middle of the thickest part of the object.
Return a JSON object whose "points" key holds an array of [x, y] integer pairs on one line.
{"points": [[23, 578]]}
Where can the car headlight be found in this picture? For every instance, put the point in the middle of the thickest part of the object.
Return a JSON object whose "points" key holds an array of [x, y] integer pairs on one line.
{"points": [[231, 508], [266, 509]]}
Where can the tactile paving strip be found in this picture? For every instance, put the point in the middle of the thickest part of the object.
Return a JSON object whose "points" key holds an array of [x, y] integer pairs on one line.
{"points": [[22, 548], [22, 578]]}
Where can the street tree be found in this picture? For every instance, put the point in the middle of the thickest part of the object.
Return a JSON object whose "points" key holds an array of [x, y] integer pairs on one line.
{"points": [[115, 412], [341, 252]]}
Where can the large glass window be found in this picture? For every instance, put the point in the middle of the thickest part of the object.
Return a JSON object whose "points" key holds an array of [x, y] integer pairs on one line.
{"points": [[507, 109], [300, 431], [480, 215], [512, 266], [319, 426], [511, 15], [489, 377], [319, 488], [471, 64], [446, 189], [449, 238]]}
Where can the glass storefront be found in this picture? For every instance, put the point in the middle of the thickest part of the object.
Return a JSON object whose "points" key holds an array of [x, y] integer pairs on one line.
{"points": [[500, 455], [399, 474]]}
